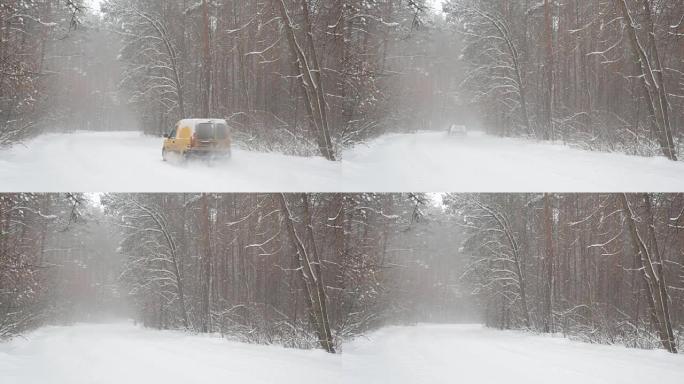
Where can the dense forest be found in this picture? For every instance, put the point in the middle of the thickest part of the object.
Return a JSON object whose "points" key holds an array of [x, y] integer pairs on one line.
{"points": [[605, 268], [604, 74], [312, 77], [313, 270], [237, 145]]}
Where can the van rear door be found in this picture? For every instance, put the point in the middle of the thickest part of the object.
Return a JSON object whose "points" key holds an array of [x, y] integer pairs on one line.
{"points": [[205, 134], [221, 132]]}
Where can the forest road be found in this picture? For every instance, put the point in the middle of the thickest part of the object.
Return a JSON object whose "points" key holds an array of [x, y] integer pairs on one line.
{"points": [[422, 161]]}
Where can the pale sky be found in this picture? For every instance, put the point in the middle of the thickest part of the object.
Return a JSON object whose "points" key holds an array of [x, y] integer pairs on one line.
{"points": [[95, 5], [437, 4]]}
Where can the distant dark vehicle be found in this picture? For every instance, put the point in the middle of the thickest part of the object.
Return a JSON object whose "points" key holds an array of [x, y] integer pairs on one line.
{"points": [[458, 130]]}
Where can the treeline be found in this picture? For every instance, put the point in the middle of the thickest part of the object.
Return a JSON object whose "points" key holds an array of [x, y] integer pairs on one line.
{"points": [[601, 74], [291, 75], [58, 71], [298, 270], [604, 268], [26, 29], [57, 262], [311, 77], [311, 270]]}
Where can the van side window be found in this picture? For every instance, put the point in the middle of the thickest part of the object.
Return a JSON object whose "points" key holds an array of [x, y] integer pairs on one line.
{"points": [[173, 132], [184, 133]]}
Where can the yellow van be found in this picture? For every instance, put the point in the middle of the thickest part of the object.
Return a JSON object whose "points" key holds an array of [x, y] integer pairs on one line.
{"points": [[198, 138]]}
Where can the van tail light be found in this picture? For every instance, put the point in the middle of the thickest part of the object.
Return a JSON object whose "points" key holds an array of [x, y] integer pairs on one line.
{"points": [[193, 140]]}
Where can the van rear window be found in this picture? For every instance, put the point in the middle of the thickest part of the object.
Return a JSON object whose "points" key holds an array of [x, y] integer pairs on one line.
{"points": [[221, 131], [205, 131], [211, 131]]}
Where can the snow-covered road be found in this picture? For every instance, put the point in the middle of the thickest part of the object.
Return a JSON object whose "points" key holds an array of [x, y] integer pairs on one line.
{"points": [[426, 161], [474, 354], [122, 353], [131, 162]]}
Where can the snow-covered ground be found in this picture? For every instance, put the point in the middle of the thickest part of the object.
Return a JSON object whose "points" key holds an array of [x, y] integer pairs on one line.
{"points": [[426, 161], [474, 354], [123, 353], [131, 162]]}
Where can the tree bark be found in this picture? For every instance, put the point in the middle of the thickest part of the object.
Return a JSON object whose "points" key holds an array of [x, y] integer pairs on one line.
{"points": [[504, 226], [207, 62], [206, 263], [653, 89], [652, 275], [171, 244], [173, 59], [548, 264], [310, 276], [549, 70], [312, 87], [502, 28]]}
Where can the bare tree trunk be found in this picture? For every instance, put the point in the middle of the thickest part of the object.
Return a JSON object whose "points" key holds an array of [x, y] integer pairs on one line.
{"points": [[652, 83], [655, 280], [322, 105], [312, 87], [505, 34], [311, 279], [320, 287], [207, 62], [171, 244], [161, 30], [548, 284], [505, 227], [206, 261], [657, 259], [549, 70], [660, 82]]}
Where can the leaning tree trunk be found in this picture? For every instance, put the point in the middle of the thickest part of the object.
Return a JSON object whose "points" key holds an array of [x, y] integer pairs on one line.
{"points": [[660, 82], [311, 278], [322, 105], [657, 259], [548, 264], [653, 85], [652, 274], [504, 33], [206, 62], [312, 87], [205, 265], [505, 228], [550, 76], [173, 253], [171, 52], [320, 287]]}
